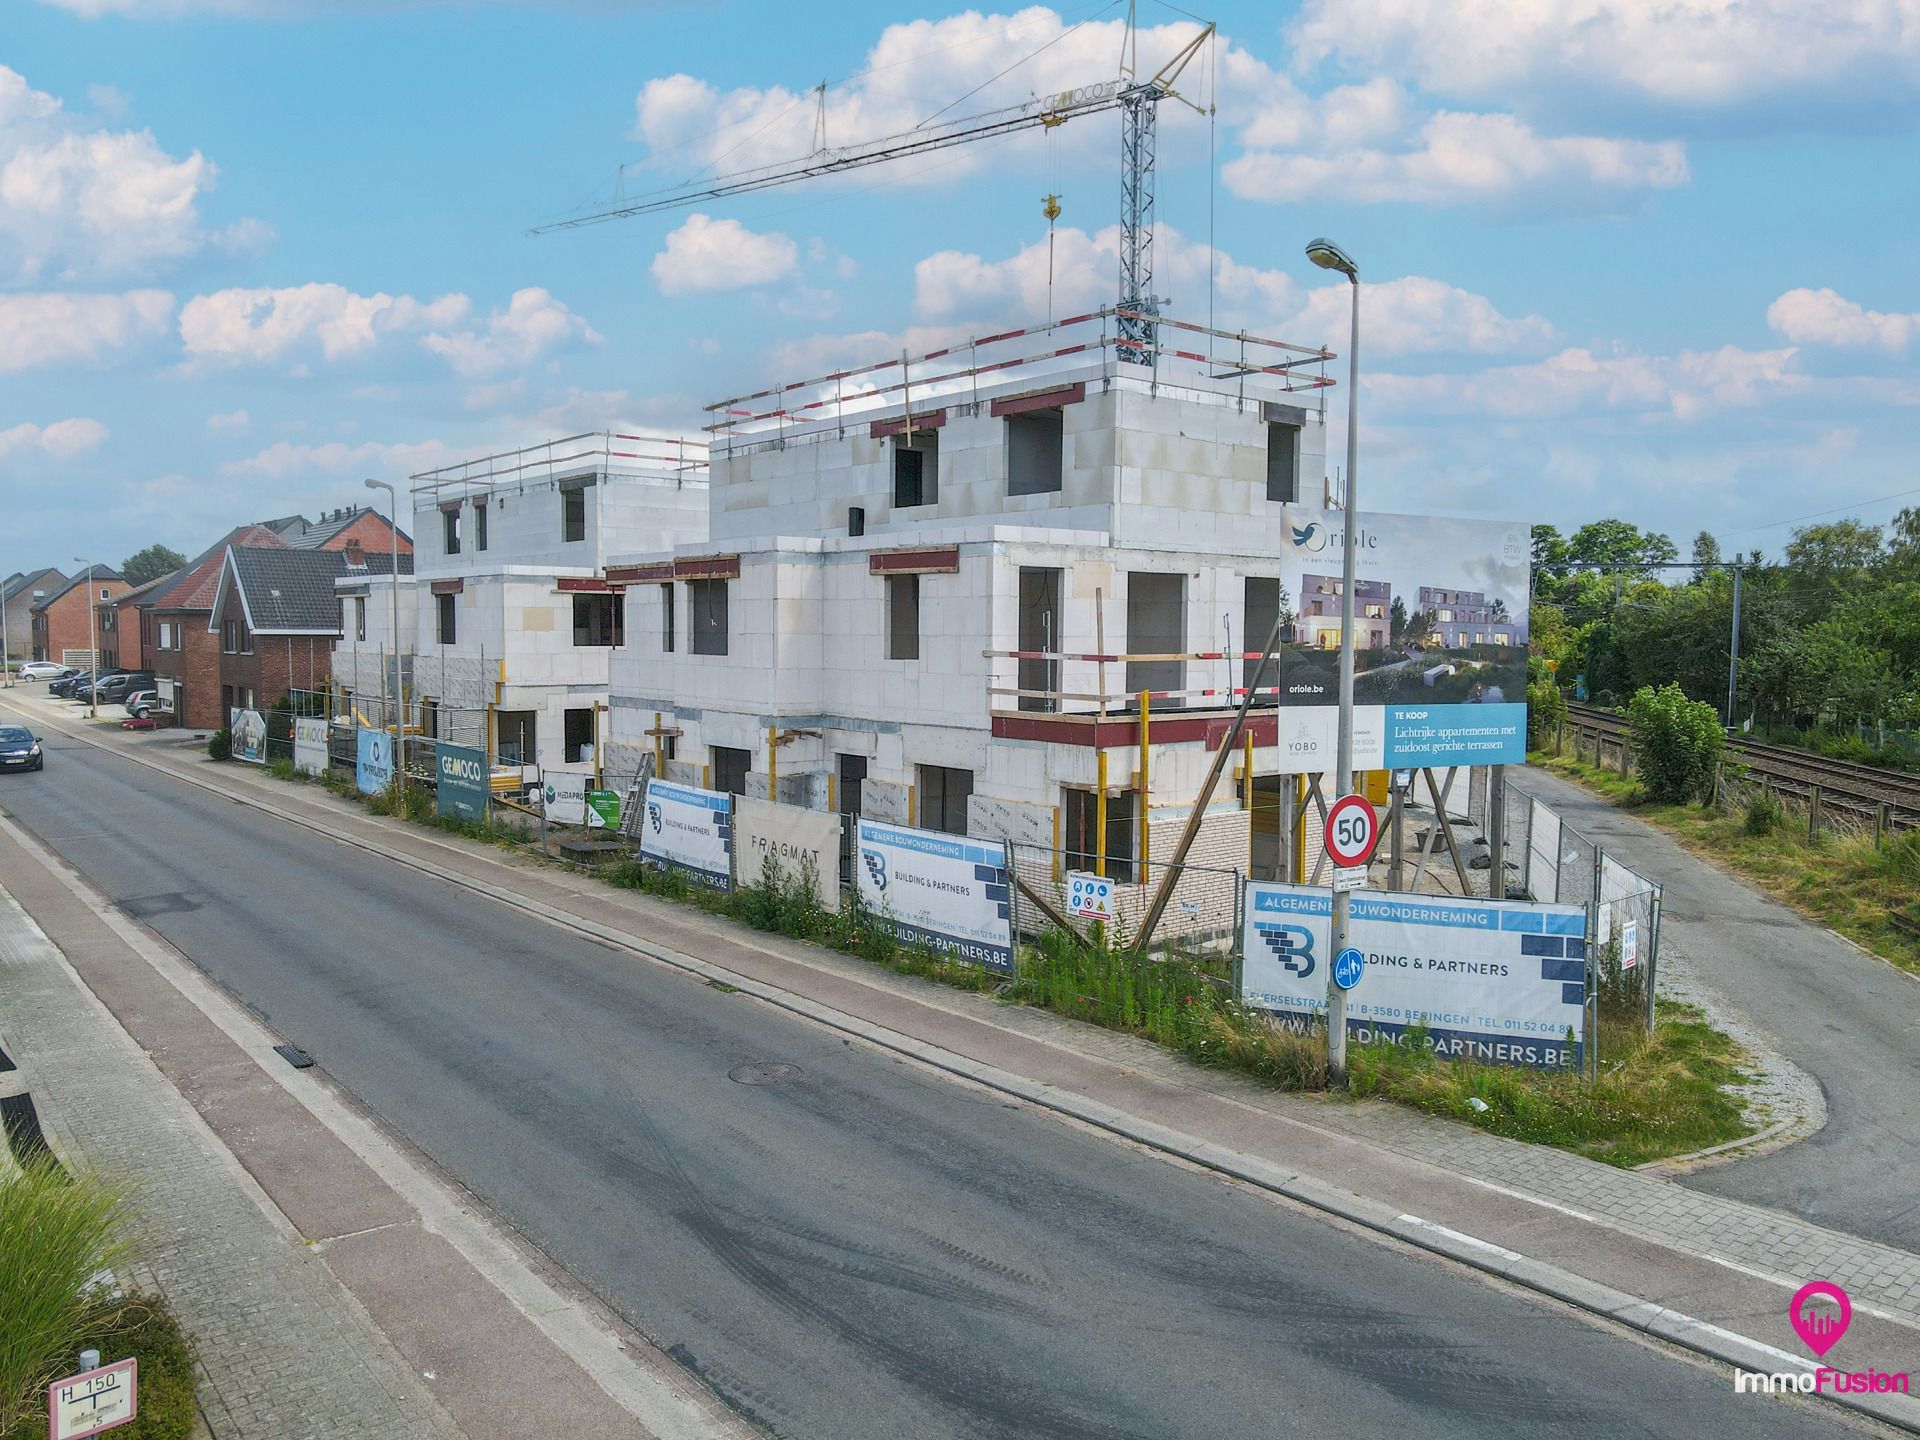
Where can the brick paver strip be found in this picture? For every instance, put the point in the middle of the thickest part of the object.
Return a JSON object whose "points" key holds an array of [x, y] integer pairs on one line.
{"points": [[284, 1353]]}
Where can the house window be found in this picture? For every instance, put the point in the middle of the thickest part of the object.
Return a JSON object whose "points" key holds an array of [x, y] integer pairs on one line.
{"points": [[903, 617], [479, 527], [916, 469], [230, 637], [1082, 837], [1035, 443], [599, 620], [578, 736], [360, 617], [708, 621], [1283, 463], [443, 606], [573, 513], [166, 635], [730, 769], [666, 618], [944, 792], [105, 593], [450, 528]]}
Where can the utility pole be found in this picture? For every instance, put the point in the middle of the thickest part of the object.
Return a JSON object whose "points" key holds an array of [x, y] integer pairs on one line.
{"points": [[1329, 256], [393, 589], [93, 644], [1733, 664]]}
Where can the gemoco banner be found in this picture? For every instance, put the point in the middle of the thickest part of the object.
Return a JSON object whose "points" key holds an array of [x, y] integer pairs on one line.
{"points": [[461, 781], [1497, 981], [373, 760], [248, 731], [943, 890], [310, 746], [690, 829], [795, 841]]}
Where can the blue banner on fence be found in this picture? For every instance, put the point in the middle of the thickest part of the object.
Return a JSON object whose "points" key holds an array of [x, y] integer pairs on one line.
{"points": [[691, 830], [944, 891], [373, 760]]}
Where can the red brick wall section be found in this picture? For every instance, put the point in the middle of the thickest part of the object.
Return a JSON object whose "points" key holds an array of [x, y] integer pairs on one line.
{"points": [[63, 626], [373, 533]]}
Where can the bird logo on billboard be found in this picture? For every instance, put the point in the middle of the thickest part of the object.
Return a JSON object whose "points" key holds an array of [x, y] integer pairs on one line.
{"points": [[1311, 536], [876, 864]]}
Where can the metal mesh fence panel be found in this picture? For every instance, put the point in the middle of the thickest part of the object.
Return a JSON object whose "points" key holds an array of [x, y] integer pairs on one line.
{"points": [[1202, 912]]}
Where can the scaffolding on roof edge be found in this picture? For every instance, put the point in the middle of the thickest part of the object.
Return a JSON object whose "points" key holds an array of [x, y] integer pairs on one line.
{"points": [[557, 459]]}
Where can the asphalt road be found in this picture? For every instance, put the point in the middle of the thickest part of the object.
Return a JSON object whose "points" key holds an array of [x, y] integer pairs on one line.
{"points": [[851, 1247], [1851, 1021]]}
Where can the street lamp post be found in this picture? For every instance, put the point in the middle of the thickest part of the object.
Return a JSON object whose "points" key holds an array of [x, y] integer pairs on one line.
{"points": [[93, 643], [1329, 256], [393, 590]]}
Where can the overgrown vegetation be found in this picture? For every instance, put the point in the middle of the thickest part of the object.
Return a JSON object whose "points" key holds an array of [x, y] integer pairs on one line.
{"points": [[139, 1327], [1676, 742], [220, 744]]}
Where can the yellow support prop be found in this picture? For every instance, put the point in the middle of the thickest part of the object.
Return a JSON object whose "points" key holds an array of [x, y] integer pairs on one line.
{"points": [[1100, 818], [1146, 786], [773, 762]]}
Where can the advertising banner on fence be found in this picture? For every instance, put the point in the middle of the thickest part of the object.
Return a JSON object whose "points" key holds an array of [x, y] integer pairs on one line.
{"points": [[794, 840], [461, 781], [1497, 981], [373, 760], [603, 809], [249, 731], [690, 829], [1440, 610], [564, 797], [945, 891], [310, 746]]}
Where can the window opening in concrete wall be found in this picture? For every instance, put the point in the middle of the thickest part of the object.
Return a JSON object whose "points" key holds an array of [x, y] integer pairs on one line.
{"points": [[730, 769], [450, 529], [666, 618], [1039, 631], [577, 736], [573, 514], [479, 527], [903, 617], [1263, 604], [1283, 464], [1081, 825], [1156, 625], [708, 618], [443, 605], [430, 717], [599, 620], [517, 736], [944, 792], [916, 469], [853, 771], [1035, 445], [359, 617]]}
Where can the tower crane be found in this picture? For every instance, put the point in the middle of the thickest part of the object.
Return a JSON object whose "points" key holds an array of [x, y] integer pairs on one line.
{"points": [[1137, 101]]}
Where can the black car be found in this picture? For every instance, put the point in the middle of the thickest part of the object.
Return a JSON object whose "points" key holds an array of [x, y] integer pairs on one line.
{"points": [[20, 749], [121, 683], [64, 685]]}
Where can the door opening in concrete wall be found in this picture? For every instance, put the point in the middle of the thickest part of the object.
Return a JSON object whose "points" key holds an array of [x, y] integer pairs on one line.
{"points": [[731, 768], [430, 718], [1156, 625], [444, 619], [903, 617], [1039, 633], [852, 772], [916, 469], [516, 736], [666, 619], [577, 735], [1264, 599], [1283, 463], [1080, 821], [943, 796], [707, 622], [1036, 445]]}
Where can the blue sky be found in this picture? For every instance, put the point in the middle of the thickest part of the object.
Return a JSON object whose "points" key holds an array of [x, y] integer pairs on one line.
{"points": [[1656, 263]]}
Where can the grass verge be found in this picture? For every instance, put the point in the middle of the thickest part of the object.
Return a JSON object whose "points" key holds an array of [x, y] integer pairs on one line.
{"points": [[1846, 883]]}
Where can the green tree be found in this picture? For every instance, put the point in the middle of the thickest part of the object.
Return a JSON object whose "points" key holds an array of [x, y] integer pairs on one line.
{"points": [[1706, 553], [1675, 742], [150, 564], [1620, 545], [1397, 620]]}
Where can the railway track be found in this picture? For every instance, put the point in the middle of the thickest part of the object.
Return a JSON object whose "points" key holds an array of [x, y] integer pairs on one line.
{"points": [[1873, 797]]}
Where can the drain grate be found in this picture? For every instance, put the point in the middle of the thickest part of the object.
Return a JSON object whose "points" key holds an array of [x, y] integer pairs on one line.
{"points": [[764, 1072], [294, 1056]]}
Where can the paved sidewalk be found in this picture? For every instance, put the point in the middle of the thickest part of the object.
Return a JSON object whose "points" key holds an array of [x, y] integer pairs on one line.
{"points": [[284, 1352]]}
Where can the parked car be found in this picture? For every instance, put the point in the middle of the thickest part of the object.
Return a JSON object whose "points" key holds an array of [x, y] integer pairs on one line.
{"points": [[20, 749], [83, 686], [121, 683], [64, 685], [45, 670], [141, 702]]}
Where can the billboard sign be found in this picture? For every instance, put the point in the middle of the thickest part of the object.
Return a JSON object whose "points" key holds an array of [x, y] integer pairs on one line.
{"points": [[945, 891], [603, 809], [248, 730], [1440, 617], [795, 841], [461, 782], [691, 830], [372, 760], [564, 797], [1497, 981], [310, 745]]}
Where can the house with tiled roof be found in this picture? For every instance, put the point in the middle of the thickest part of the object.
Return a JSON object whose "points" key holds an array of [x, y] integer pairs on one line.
{"points": [[121, 623], [19, 593], [184, 656], [63, 624]]}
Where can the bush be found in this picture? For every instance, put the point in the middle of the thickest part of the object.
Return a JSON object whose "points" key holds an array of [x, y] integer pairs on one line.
{"points": [[1676, 741], [1765, 813], [1546, 708], [220, 744]]}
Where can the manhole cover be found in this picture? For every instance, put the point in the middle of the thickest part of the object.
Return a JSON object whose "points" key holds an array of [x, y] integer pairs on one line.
{"points": [[763, 1072]]}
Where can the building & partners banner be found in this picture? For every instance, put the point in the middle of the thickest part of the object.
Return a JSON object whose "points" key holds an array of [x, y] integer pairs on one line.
{"points": [[248, 730], [691, 830], [1497, 981], [373, 760], [793, 840], [461, 781], [943, 890], [1440, 640], [310, 745]]}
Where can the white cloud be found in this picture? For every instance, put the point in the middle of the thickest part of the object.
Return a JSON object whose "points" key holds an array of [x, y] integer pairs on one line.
{"points": [[1576, 380], [1824, 317], [533, 323], [284, 461], [1453, 158], [75, 201], [63, 439], [58, 328], [260, 326], [1691, 54], [708, 255], [229, 420], [1417, 315]]}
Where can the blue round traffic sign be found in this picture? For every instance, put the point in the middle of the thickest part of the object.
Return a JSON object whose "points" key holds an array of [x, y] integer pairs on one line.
{"points": [[1348, 966]]}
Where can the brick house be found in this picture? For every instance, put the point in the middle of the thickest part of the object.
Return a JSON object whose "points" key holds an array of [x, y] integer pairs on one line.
{"points": [[276, 617], [336, 529], [183, 652], [125, 641], [63, 628], [19, 593]]}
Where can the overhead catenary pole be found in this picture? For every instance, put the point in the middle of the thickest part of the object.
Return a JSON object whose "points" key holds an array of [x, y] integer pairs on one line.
{"points": [[1329, 256]]}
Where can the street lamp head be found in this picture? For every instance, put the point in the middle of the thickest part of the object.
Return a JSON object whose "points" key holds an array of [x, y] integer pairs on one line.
{"points": [[376, 485], [1329, 256]]}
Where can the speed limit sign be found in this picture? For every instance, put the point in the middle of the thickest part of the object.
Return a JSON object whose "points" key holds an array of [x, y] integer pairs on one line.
{"points": [[1352, 830]]}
